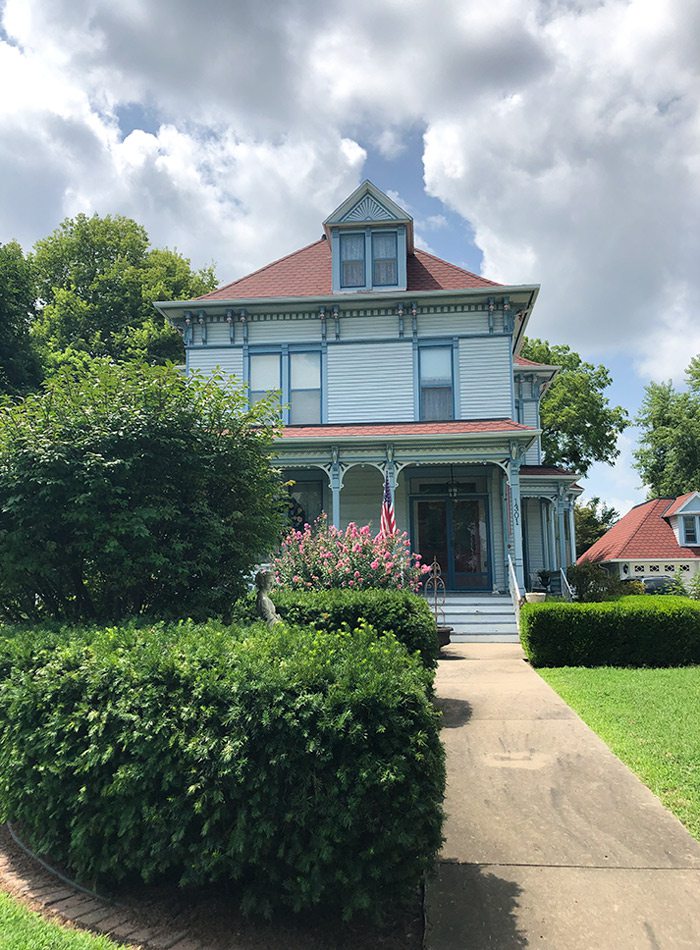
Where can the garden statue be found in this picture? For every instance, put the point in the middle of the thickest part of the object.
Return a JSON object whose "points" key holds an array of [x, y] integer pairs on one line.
{"points": [[265, 607]]}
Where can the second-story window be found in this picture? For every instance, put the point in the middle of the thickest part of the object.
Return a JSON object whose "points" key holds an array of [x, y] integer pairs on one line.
{"points": [[296, 376], [352, 260], [436, 386], [304, 388], [265, 375], [384, 259]]}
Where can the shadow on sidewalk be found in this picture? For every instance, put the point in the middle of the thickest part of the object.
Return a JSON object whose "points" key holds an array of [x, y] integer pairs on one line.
{"points": [[455, 712], [470, 907]]}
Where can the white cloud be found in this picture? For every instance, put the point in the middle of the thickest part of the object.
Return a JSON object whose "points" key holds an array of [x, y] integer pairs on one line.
{"points": [[567, 134]]}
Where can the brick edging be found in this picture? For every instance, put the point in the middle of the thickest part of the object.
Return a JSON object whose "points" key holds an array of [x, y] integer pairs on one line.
{"points": [[42, 890]]}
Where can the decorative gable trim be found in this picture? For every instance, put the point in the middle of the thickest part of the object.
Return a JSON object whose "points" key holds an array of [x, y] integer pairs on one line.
{"points": [[368, 209], [368, 204]]}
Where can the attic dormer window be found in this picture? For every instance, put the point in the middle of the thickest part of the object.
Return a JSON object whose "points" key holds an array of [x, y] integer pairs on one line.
{"points": [[352, 260], [690, 529], [384, 259]]}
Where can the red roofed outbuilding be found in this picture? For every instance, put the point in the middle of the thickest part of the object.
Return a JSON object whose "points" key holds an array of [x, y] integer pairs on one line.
{"points": [[658, 538]]}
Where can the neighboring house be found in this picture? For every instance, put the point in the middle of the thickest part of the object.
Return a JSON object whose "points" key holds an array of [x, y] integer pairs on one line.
{"points": [[390, 360], [659, 538]]}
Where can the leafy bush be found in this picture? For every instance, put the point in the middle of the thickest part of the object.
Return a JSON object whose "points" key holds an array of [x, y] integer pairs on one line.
{"points": [[405, 615], [305, 767], [129, 490], [593, 582], [633, 631], [324, 557], [632, 587]]}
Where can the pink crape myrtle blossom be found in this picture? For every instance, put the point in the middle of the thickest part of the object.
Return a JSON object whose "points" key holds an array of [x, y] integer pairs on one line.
{"points": [[322, 556]]}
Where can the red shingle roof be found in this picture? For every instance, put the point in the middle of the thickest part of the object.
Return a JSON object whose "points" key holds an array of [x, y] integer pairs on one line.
{"points": [[678, 503], [392, 429], [522, 361], [642, 533], [545, 470], [307, 273]]}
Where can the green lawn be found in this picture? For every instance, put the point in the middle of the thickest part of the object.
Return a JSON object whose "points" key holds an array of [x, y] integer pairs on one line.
{"points": [[650, 719], [21, 929]]}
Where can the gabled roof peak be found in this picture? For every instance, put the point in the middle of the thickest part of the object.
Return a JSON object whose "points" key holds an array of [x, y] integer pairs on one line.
{"points": [[369, 205]]}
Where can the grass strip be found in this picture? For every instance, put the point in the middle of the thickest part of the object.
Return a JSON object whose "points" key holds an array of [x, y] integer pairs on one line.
{"points": [[650, 718]]}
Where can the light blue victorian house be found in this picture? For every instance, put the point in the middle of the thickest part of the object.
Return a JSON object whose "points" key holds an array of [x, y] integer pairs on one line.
{"points": [[390, 360]]}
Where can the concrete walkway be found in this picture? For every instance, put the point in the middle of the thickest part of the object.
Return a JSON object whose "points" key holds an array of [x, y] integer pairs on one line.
{"points": [[551, 841]]}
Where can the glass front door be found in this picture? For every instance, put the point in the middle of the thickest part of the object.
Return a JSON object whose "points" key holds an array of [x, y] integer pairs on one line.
{"points": [[455, 531]]}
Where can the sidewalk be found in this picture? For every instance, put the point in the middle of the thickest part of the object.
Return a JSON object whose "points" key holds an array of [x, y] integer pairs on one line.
{"points": [[551, 841]]}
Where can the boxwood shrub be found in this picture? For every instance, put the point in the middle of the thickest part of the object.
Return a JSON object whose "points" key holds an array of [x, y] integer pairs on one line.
{"points": [[402, 613], [632, 631], [304, 766]]}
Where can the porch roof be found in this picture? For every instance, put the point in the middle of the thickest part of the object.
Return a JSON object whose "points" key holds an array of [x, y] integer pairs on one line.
{"points": [[381, 431]]}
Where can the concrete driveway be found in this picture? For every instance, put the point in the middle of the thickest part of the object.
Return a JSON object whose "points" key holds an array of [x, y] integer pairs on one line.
{"points": [[550, 840]]}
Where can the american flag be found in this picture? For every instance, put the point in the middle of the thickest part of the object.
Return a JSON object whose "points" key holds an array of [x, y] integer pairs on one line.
{"points": [[388, 521]]}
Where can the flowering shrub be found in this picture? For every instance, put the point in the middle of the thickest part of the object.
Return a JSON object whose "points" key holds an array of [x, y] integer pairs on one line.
{"points": [[322, 556]]}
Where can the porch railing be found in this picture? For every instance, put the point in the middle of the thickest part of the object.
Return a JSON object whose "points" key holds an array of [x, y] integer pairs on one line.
{"points": [[514, 588], [566, 591]]}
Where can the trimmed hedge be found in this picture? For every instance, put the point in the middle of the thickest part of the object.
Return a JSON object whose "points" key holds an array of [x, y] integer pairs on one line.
{"points": [[402, 613], [305, 767], [632, 631]]}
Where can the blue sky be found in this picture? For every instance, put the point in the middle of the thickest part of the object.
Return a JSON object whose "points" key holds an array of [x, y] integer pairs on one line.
{"points": [[542, 141]]}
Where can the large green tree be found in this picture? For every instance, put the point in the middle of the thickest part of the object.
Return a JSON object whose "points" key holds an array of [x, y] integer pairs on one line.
{"points": [[668, 456], [128, 489], [20, 369], [592, 520], [96, 280], [579, 425]]}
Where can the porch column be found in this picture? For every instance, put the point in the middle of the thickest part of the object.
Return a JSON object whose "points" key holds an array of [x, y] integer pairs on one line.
{"points": [[336, 481], [516, 519], [572, 532], [546, 550], [562, 533]]}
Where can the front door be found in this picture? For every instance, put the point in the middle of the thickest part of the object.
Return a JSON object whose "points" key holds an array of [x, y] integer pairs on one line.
{"points": [[455, 531]]}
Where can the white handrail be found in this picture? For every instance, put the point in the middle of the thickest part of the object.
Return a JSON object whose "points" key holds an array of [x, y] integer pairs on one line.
{"points": [[514, 588], [566, 590]]}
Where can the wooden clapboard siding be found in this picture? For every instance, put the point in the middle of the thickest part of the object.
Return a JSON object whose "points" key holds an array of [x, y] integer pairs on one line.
{"points": [[530, 417], [370, 382], [485, 378], [207, 359]]}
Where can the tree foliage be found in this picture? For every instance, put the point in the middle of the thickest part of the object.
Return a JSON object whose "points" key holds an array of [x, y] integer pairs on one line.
{"points": [[579, 424], [668, 456], [97, 278], [592, 520], [130, 490], [20, 370]]}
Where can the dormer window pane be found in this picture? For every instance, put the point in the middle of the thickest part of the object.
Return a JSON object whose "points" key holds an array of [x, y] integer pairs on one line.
{"points": [[690, 530], [352, 260], [384, 260]]}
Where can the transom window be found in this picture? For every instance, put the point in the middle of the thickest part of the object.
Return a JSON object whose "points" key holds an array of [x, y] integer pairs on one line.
{"points": [[690, 529], [352, 260], [436, 385], [296, 376]]}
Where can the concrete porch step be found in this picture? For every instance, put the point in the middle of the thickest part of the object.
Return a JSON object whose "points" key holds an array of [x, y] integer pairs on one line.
{"points": [[479, 618]]}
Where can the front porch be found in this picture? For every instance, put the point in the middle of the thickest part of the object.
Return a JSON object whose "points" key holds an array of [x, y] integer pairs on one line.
{"points": [[461, 493]]}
